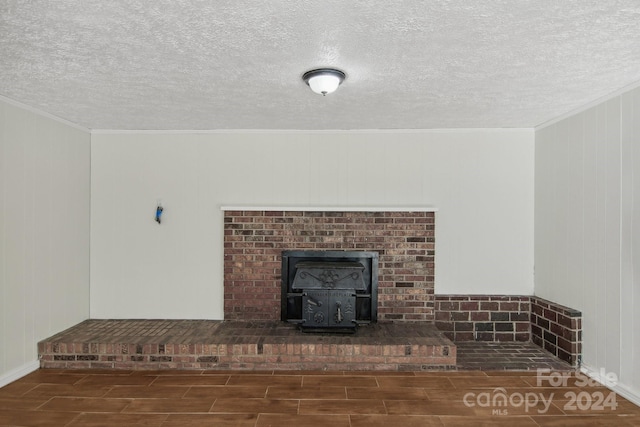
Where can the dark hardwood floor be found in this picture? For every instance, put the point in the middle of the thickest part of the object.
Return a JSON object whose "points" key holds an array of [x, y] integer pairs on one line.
{"points": [[306, 398]]}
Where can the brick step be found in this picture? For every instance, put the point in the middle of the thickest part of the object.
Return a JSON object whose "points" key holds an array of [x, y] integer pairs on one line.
{"points": [[208, 344]]}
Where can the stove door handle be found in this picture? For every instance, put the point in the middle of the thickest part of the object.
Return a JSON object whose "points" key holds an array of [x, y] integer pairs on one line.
{"points": [[313, 301], [339, 316]]}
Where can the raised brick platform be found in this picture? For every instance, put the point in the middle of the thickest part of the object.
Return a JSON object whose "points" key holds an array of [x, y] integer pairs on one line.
{"points": [[273, 345], [512, 318]]}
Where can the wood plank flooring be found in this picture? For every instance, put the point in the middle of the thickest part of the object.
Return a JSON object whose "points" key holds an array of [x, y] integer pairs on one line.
{"points": [[305, 398]]}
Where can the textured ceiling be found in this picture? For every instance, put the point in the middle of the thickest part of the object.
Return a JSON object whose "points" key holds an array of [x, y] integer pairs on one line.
{"points": [[201, 65]]}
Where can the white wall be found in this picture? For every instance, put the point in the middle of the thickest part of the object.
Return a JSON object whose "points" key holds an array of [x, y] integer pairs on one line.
{"points": [[44, 233], [587, 229], [480, 180]]}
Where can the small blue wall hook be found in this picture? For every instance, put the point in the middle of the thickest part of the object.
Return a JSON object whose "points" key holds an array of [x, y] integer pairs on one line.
{"points": [[159, 210]]}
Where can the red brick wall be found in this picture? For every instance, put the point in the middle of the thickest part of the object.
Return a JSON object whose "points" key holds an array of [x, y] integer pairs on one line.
{"points": [[557, 329], [254, 241], [484, 317], [554, 327]]}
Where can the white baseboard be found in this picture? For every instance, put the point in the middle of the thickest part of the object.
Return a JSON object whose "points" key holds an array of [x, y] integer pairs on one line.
{"points": [[623, 390], [19, 372]]}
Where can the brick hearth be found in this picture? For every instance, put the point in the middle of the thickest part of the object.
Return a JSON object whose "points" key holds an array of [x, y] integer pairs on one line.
{"points": [[271, 345]]}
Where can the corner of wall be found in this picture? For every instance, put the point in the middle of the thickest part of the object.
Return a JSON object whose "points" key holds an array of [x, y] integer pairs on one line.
{"points": [[19, 372]]}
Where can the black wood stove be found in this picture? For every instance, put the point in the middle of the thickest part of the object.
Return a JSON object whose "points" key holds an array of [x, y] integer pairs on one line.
{"points": [[329, 291]]}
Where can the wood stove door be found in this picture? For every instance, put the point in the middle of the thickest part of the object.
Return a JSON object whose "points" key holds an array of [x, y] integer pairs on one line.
{"points": [[329, 308], [342, 311], [315, 306]]}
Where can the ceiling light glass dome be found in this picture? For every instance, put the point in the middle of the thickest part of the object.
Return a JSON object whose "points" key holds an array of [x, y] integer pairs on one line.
{"points": [[324, 80]]}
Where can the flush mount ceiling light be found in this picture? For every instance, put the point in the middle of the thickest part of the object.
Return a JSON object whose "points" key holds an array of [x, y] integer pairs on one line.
{"points": [[323, 80]]}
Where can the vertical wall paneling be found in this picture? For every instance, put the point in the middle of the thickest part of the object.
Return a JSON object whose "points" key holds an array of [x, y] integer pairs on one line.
{"points": [[44, 240], [592, 258], [587, 229], [3, 232], [612, 242], [574, 199], [634, 279], [627, 365], [544, 205], [600, 229]]}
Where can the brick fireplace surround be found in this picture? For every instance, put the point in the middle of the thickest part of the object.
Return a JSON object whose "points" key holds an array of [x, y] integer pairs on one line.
{"points": [[254, 241]]}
